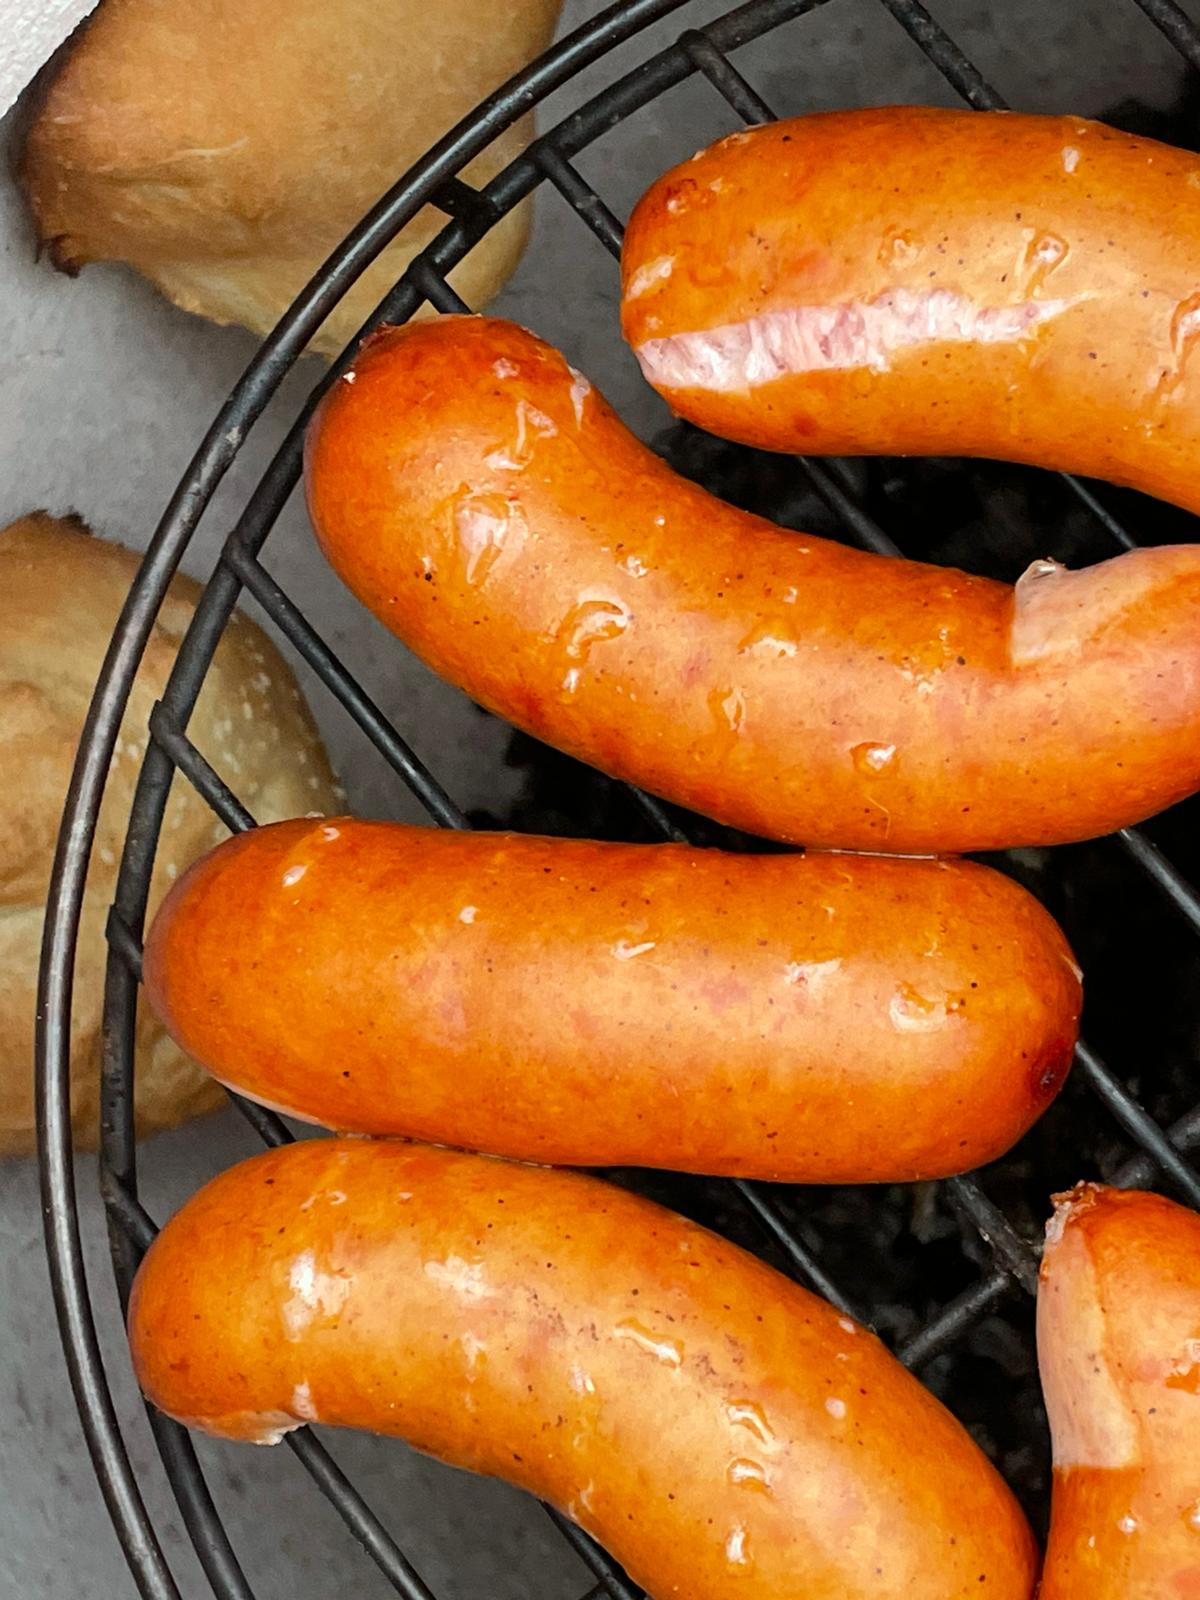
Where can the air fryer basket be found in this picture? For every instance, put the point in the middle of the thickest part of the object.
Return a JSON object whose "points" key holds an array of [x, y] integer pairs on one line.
{"points": [[945, 1271]]}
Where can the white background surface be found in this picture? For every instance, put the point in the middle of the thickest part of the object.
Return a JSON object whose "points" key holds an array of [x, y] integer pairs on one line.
{"points": [[33, 30], [105, 392]]}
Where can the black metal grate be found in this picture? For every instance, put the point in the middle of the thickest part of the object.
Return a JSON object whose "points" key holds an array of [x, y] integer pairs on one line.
{"points": [[470, 213]]}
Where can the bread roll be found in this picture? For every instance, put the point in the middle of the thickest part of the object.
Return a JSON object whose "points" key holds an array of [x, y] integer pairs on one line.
{"points": [[61, 592], [224, 147]]}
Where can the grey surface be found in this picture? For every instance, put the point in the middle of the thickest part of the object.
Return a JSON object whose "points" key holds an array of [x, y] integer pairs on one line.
{"points": [[105, 391]]}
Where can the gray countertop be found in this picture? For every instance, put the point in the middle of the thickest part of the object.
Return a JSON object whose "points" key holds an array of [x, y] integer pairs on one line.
{"points": [[106, 390]]}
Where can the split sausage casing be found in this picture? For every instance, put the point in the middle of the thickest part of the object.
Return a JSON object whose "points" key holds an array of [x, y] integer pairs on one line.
{"points": [[483, 501], [1119, 1353], [914, 281]]}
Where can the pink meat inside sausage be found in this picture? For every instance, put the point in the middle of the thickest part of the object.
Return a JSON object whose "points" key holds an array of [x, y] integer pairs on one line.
{"points": [[859, 333]]}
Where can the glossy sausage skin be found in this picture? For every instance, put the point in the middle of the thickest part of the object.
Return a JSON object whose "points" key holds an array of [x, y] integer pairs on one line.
{"points": [[722, 1431], [821, 1018], [1119, 1352], [486, 504], [911, 281]]}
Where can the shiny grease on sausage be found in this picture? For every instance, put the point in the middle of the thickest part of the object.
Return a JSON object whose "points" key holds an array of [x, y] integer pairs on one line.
{"points": [[820, 1018], [722, 1431], [915, 281], [484, 502], [1119, 1353]]}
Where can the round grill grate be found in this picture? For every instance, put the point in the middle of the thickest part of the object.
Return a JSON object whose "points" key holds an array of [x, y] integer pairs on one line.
{"points": [[901, 1287]]}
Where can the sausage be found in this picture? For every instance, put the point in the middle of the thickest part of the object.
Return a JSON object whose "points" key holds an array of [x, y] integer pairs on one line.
{"points": [[1118, 1330], [722, 1431], [814, 1019], [482, 500], [912, 281]]}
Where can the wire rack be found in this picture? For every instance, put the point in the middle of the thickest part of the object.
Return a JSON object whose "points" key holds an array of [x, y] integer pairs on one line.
{"points": [[1010, 1261]]}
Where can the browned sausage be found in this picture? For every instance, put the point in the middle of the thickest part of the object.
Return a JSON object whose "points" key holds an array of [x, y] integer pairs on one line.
{"points": [[821, 1018], [723, 1432], [483, 501], [1119, 1351], [912, 281]]}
